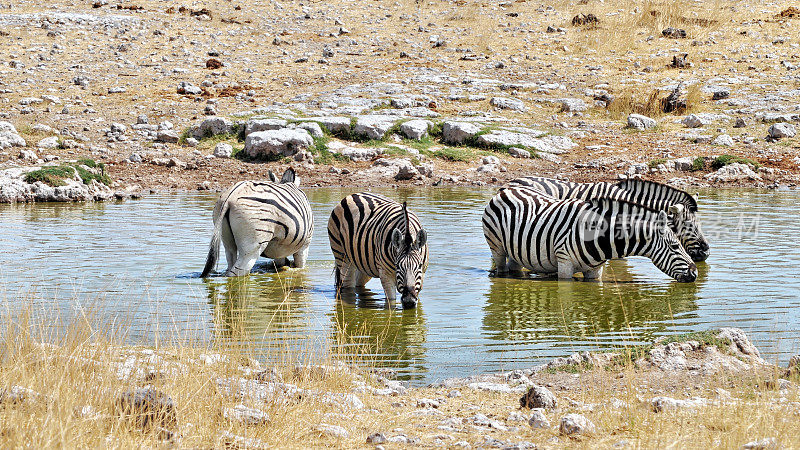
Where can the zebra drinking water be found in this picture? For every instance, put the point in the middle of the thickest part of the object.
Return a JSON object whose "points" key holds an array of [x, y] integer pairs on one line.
{"points": [[261, 218], [662, 197], [525, 228], [372, 236]]}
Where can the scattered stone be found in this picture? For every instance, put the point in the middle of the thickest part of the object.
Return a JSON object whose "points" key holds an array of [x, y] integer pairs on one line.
{"points": [[9, 136], [766, 443], [223, 150], [17, 394], [416, 129], [168, 136], [284, 142], [229, 440], [49, 143], [572, 105], [246, 415], [781, 130], [694, 121], [538, 397], [723, 140], [148, 407], [538, 419], [640, 122], [186, 88], [740, 123], [313, 129], [333, 430], [212, 126], [720, 94], [659, 404], [519, 152], [739, 341], [572, 424], [674, 33], [427, 403], [508, 103], [458, 133], [213, 63], [256, 125], [376, 439], [373, 127], [680, 61]]}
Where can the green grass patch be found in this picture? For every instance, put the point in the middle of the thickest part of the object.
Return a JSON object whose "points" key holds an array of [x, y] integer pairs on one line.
{"points": [[56, 175], [422, 144], [51, 175], [656, 162], [455, 154], [321, 153], [698, 164], [723, 160]]}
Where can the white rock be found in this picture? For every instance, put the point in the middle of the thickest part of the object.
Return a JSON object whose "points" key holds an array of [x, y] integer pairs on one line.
{"points": [[313, 129], [255, 125], [245, 415], [49, 143], [9, 136], [333, 430], [519, 153], [781, 130], [572, 104], [223, 150], [285, 142], [373, 126], [457, 133], [168, 136], [334, 124], [576, 424], [723, 140], [415, 129], [762, 444], [695, 121], [667, 403], [212, 126], [538, 419], [640, 122], [733, 172], [508, 103]]}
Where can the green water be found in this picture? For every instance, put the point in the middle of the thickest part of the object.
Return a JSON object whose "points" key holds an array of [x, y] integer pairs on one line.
{"points": [[137, 263]]}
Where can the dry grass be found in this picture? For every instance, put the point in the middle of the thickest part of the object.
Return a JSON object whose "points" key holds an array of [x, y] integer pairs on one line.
{"points": [[87, 364]]}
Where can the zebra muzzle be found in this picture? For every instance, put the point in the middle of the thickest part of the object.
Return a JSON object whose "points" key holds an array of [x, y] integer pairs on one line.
{"points": [[409, 301]]}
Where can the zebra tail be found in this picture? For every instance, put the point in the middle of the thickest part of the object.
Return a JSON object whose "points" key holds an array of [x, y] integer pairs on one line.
{"points": [[213, 248]]}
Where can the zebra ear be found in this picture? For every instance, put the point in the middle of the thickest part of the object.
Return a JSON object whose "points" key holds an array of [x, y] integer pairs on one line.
{"points": [[422, 238], [397, 238], [272, 177], [290, 177], [677, 209]]}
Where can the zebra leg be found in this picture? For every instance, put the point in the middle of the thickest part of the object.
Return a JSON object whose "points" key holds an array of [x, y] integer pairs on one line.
{"points": [[245, 261], [280, 262], [593, 274], [499, 262], [348, 276], [388, 281], [300, 257], [229, 242], [514, 266], [566, 270]]}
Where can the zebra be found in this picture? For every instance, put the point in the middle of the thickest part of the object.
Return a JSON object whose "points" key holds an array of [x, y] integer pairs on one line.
{"points": [[267, 218], [372, 236], [681, 206], [543, 234]]}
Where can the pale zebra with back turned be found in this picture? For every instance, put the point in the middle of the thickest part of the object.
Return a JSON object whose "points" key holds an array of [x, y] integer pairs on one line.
{"points": [[681, 206], [261, 218], [546, 235], [372, 236]]}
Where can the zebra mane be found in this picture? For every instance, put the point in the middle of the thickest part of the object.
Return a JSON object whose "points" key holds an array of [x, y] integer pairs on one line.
{"points": [[685, 198], [597, 201], [408, 238]]}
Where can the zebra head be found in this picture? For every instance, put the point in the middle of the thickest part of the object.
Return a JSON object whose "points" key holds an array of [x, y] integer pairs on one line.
{"points": [[684, 223], [409, 262], [668, 254]]}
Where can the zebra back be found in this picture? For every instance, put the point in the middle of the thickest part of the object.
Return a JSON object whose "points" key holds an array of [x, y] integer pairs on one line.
{"points": [[657, 195]]}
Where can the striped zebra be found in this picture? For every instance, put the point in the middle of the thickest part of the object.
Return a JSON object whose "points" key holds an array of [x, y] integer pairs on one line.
{"points": [[543, 234], [372, 236], [261, 218], [681, 206]]}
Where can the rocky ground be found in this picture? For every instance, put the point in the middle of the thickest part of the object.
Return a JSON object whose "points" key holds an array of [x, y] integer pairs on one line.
{"points": [[425, 92], [704, 389]]}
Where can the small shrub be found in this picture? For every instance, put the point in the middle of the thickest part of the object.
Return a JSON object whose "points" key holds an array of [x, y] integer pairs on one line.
{"points": [[656, 162], [724, 160]]}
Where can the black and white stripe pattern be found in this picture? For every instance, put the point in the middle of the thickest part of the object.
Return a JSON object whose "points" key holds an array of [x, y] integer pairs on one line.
{"points": [[372, 236], [525, 228], [681, 206], [261, 218]]}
